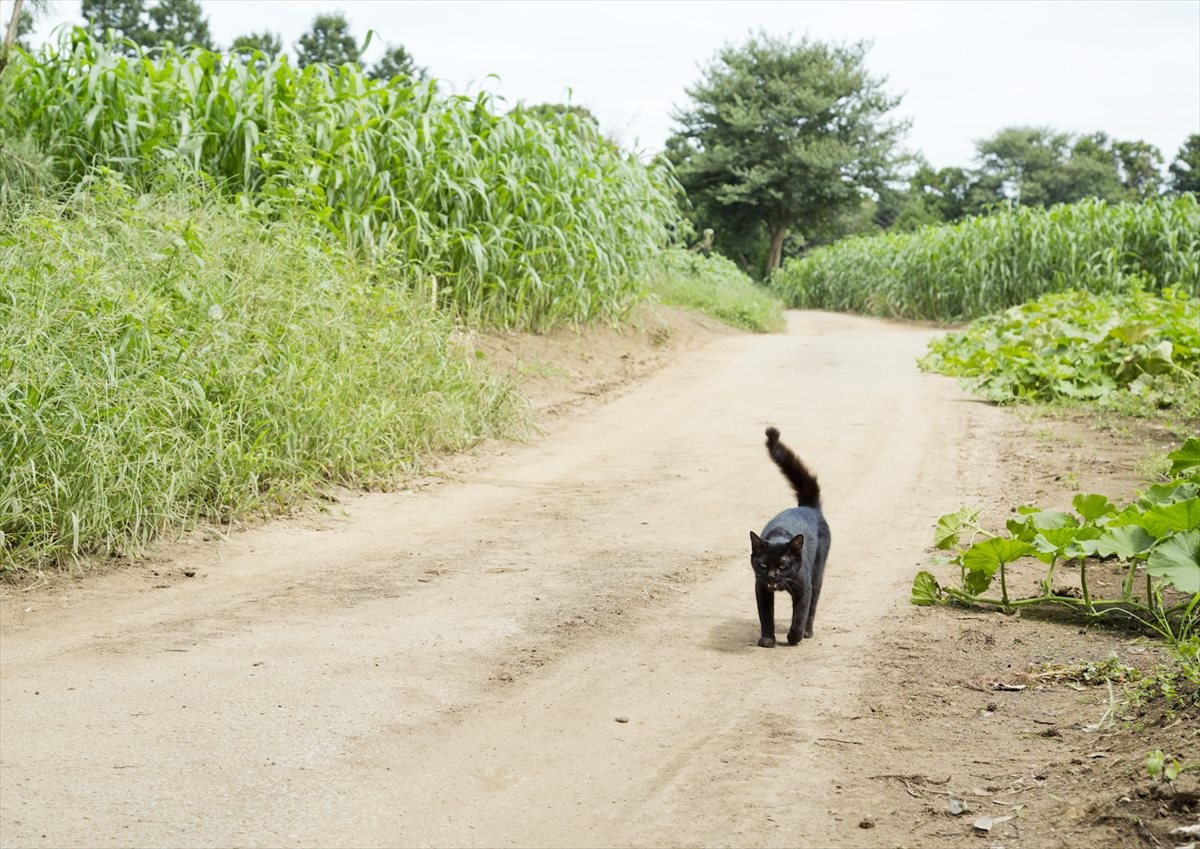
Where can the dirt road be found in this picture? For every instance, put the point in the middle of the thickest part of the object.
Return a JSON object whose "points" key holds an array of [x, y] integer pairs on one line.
{"points": [[554, 649]]}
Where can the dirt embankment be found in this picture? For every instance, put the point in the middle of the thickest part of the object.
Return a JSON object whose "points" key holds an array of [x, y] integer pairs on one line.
{"points": [[552, 644]]}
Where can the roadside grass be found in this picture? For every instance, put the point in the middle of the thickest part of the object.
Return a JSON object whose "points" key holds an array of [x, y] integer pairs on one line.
{"points": [[715, 286], [170, 358]]}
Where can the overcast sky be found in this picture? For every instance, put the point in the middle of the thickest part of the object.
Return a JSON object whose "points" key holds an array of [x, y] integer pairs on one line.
{"points": [[965, 69]]}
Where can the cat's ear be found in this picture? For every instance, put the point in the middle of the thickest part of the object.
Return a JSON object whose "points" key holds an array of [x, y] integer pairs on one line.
{"points": [[756, 543], [797, 544]]}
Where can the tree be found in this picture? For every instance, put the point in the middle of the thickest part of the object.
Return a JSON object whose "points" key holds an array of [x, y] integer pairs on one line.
{"points": [[1141, 168], [180, 22], [24, 27], [1038, 166], [936, 195], [1026, 164], [396, 62], [327, 40], [267, 43], [19, 25], [1092, 170], [782, 137], [12, 32], [126, 18], [1185, 170]]}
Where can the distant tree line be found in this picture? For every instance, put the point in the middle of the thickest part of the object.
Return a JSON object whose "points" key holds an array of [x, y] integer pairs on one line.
{"points": [[788, 144], [1037, 166], [183, 23]]}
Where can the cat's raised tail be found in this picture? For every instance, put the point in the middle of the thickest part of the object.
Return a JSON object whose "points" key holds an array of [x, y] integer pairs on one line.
{"points": [[808, 493]]}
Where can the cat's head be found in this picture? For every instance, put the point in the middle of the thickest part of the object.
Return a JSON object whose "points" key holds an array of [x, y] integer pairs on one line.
{"points": [[777, 562]]}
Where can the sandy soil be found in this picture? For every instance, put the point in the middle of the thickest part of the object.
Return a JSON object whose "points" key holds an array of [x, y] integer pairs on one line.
{"points": [[552, 644]]}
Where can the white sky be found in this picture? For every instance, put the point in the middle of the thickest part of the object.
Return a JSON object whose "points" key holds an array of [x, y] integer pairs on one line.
{"points": [[965, 69]]}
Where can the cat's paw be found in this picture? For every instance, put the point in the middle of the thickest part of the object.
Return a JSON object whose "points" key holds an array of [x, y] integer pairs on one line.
{"points": [[766, 642], [794, 637]]}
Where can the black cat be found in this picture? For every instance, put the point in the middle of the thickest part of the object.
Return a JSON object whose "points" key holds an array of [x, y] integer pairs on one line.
{"points": [[790, 554]]}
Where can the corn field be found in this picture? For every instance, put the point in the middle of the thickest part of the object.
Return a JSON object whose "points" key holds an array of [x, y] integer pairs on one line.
{"points": [[989, 263], [502, 218]]}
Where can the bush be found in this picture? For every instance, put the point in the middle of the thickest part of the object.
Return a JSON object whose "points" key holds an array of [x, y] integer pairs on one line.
{"points": [[1136, 350], [716, 286]]}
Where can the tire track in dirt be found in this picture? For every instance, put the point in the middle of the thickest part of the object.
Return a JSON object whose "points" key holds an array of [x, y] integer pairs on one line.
{"points": [[449, 667]]}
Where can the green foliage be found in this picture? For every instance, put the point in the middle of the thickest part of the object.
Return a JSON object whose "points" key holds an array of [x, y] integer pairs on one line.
{"points": [[575, 118], [24, 170], [168, 358], [1173, 684], [713, 285], [24, 26], [257, 49], [268, 43], [396, 62], [988, 263], [1028, 166], [1168, 768], [1177, 559], [780, 137], [328, 40], [932, 196], [180, 22], [1038, 166], [125, 19], [1135, 350], [1185, 169], [1186, 457], [1158, 536], [1140, 165], [502, 218]]}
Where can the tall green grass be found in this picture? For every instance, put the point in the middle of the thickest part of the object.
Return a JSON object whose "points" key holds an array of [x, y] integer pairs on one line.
{"points": [[502, 218], [716, 286], [166, 358], [985, 264]]}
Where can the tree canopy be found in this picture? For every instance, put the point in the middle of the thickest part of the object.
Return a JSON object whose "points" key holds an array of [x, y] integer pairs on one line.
{"points": [[327, 40], [1185, 169], [266, 42], [396, 62], [1038, 166], [779, 138], [125, 18], [181, 22]]}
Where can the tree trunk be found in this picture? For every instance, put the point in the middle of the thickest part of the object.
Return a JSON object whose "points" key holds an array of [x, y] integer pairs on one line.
{"points": [[10, 35], [776, 256]]}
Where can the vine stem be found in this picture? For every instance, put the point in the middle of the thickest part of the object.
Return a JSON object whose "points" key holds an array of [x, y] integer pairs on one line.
{"points": [[1096, 603]]}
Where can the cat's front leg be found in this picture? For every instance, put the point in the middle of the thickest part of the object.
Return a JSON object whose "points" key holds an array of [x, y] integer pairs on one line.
{"points": [[766, 614], [801, 599]]}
